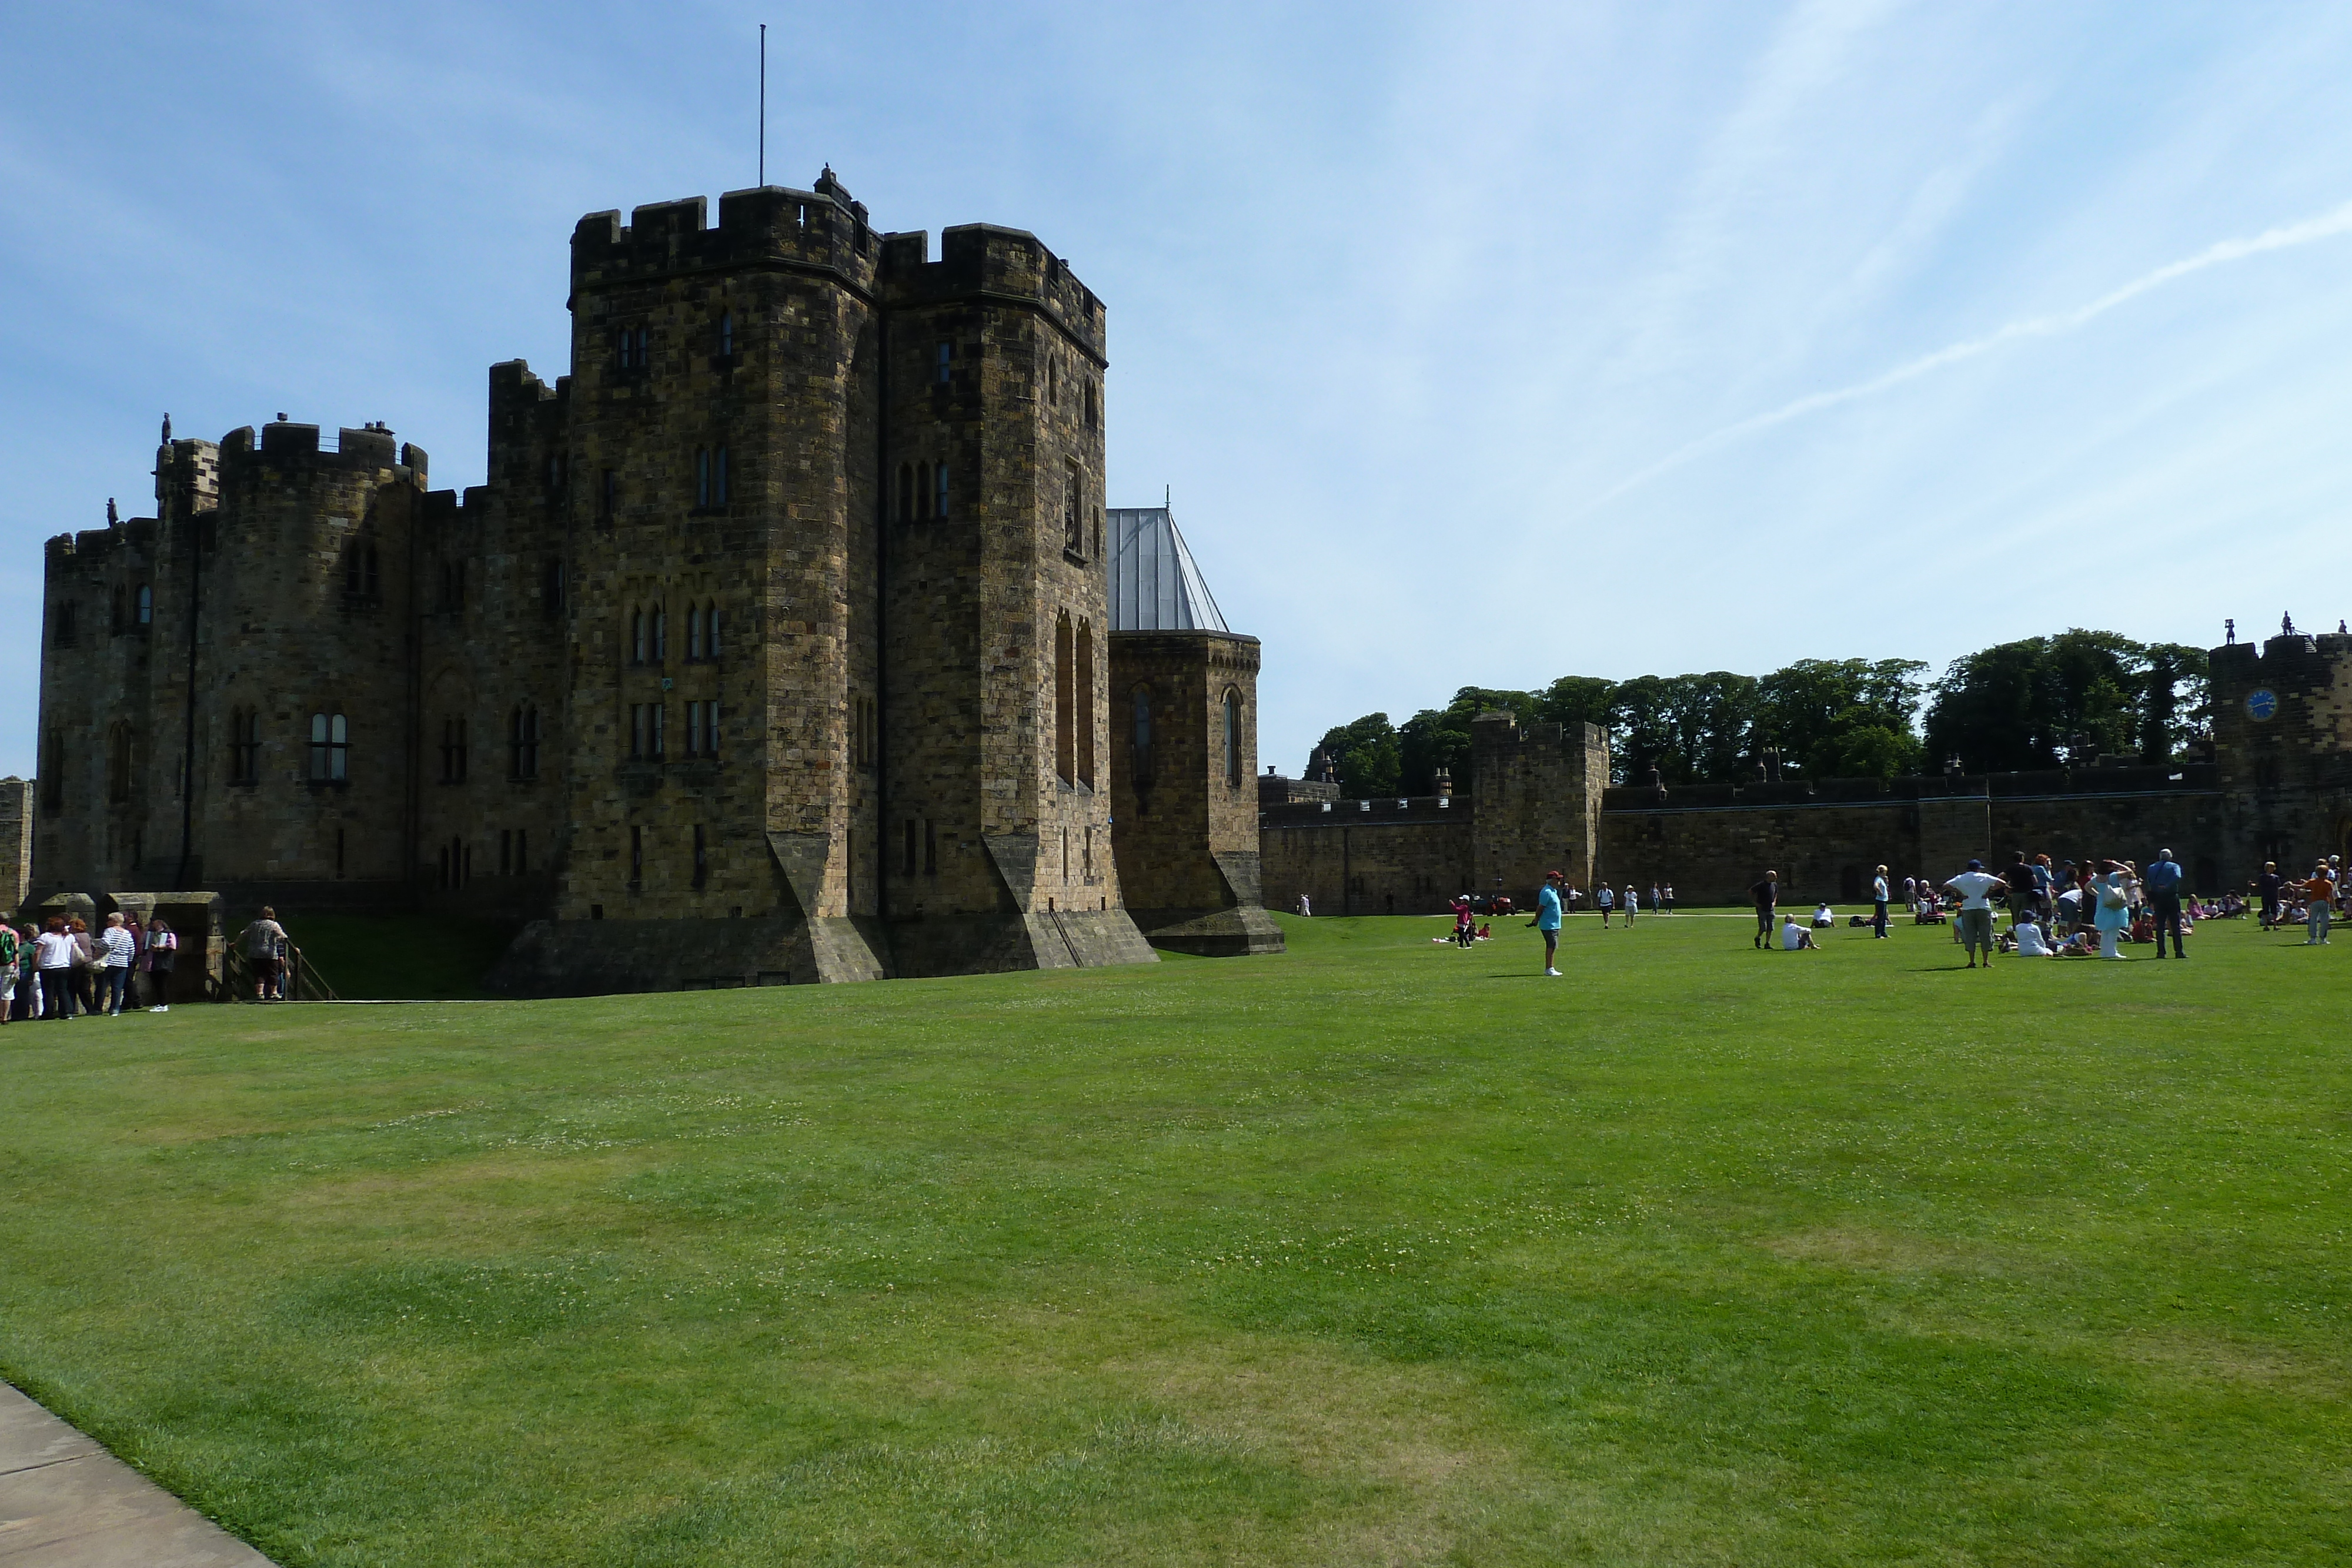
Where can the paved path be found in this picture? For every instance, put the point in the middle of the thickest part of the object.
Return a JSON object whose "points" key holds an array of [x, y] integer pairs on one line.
{"points": [[65, 1502]]}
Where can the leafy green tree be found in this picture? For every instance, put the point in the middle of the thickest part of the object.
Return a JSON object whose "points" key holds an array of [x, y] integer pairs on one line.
{"points": [[1441, 738], [1576, 699], [1874, 751], [2176, 706], [1365, 755], [2040, 701], [1810, 707]]}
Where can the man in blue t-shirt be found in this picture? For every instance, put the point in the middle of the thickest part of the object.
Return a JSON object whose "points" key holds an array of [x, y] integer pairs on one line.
{"points": [[1547, 922], [2162, 882]]}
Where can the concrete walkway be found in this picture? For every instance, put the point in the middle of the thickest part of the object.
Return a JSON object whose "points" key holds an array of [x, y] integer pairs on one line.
{"points": [[65, 1502]]}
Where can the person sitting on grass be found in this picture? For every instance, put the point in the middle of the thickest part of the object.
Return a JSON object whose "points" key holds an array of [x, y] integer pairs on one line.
{"points": [[1822, 918], [1795, 939], [2028, 940], [2082, 943]]}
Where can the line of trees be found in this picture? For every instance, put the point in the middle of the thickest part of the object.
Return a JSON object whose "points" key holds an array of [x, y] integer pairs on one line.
{"points": [[2044, 701]]}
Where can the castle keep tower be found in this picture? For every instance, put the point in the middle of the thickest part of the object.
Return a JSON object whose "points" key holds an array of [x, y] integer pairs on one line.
{"points": [[774, 649]]}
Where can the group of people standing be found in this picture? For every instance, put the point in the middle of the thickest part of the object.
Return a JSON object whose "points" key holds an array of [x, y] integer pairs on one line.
{"points": [[2311, 900], [63, 967], [1613, 901]]}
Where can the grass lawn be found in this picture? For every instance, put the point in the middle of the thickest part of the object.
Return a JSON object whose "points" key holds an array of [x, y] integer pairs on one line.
{"points": [[1379, 1252]]}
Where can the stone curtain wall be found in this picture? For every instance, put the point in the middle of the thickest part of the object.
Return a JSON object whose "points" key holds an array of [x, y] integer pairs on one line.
{"points": [[1405, 857], [1827, 848]]}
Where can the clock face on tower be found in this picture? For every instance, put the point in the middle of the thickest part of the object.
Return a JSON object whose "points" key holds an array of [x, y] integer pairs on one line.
{"points": [[2261, 703]]}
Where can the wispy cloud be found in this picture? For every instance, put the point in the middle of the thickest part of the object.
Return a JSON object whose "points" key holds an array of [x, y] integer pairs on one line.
{"points": [[2285, 236]]}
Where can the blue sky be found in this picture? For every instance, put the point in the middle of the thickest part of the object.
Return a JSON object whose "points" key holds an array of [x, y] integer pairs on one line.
{"points": [[1477, 344]]}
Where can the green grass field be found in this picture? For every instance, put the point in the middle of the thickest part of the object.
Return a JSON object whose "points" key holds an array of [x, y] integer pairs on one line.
{"points": [[1379, 1252]]}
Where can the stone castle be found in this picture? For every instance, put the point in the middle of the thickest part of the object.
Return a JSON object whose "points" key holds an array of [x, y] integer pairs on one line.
{"points": [[2278, 787], [780, 645]]}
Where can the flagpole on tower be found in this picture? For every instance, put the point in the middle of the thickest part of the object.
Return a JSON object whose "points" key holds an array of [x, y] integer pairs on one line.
{"points": [[763, 103]]}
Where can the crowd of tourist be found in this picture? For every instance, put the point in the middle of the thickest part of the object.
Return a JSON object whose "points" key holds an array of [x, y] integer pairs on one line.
{"points": [[60, 968], [2065, 909]]}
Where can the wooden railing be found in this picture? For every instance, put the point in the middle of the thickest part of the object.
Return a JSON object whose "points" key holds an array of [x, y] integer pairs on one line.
{"points": [[302, 981]]}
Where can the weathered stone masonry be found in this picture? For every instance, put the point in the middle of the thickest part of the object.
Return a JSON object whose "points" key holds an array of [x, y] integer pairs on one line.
{"points": [[774, 648]]}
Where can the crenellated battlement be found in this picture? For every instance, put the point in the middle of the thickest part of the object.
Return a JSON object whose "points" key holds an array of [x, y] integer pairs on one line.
{"points": [[992, 261], [766, 226], [288, 443]]}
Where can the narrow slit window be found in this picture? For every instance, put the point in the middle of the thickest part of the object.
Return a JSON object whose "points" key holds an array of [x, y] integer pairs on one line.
{"points": [[1140, 704], [939, 491]]}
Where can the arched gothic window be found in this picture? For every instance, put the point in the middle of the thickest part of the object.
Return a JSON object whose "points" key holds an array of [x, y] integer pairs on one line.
{"points": [[453, 750], [727, 333], [939, 491], [1233, 737], [710, 629], [143, 606], [640, 640], [694, 633], [661, 635]]}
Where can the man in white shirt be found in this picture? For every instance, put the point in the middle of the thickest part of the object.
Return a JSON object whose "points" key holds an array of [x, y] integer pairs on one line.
{"points": [[1976, 886], [1795, 939]]}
